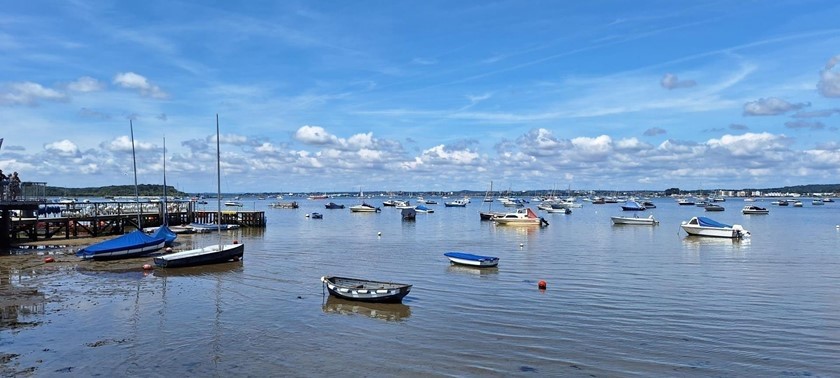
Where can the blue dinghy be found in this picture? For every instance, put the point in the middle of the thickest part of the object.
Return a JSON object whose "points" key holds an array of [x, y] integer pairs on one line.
{"points": [[470, 259]]}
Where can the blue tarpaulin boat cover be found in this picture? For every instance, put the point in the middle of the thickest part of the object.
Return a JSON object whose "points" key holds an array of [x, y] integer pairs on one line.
{"points": [[131, 240], [706, 222], [165, 233]]}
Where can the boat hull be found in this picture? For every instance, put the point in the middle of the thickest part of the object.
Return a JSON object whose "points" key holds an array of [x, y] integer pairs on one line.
{"points": [[202, 256], [650, 221], [366, 290], [472, 260]]}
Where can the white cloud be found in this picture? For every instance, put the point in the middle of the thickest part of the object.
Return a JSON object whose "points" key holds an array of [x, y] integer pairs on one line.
{"points": [[123, 144], [315, 135], [829, 84], [750, 144], [771, 106], [64, 148], [132, 80], [85, 84], [671, 81], [29, 93]]}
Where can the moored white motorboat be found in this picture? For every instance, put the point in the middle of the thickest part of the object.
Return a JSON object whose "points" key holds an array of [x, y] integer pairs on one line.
{"points": [[702, 226], [649, 221], [752, 209], [522, 217], [364, 208]]}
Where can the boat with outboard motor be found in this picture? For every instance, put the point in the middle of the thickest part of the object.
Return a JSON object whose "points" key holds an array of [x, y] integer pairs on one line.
{"points": [[702, 226]]}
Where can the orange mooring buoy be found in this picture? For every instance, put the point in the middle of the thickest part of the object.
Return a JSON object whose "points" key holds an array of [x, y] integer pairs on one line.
{"points": [[49, 259], [147, 266], [541, 285]]}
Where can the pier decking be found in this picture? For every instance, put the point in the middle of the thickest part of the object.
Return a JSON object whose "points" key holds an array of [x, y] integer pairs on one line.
{"points": [[33, 218]]}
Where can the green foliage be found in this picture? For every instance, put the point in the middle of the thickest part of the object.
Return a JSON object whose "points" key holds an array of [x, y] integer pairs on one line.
{"points": [[112, 191]]}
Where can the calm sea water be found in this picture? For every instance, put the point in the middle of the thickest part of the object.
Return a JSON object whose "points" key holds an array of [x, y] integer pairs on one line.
{"points": [[621, 300]]}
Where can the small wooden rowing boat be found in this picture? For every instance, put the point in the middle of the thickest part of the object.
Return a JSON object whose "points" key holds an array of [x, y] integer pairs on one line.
{"points": [[356, 289], [471, 259]]}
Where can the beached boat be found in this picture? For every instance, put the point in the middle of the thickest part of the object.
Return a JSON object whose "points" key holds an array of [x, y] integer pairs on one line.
{"points": [[132, 244], [333, 206], [472, 260], [702, 226], [366, 290], [632, 206], [649, 221], [522, 217], [752, 209], [211, 254]]}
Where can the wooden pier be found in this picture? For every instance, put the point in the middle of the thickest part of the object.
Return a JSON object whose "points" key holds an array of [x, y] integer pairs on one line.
{"points": [[34, 219]]}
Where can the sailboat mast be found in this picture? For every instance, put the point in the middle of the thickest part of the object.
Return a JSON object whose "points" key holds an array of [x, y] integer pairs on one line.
{"points": [[165, 210], [218, 182], [134, 160]]}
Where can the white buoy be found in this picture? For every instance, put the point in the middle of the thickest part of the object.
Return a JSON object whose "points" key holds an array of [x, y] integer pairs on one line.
{"points": [[379, 233], [521, 245]]}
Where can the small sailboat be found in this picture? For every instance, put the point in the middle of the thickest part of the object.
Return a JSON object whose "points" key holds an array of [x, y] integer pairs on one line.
{"points": [[211, 254], [132, 244]]}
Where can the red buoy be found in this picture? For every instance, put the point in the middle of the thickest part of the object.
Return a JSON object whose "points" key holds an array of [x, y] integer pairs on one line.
{"points": [[541, 285], [49, 259], [147, 266], [236, 242]]}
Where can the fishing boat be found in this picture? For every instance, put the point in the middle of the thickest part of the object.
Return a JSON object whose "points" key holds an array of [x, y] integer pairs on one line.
{"points": [[714, 207], [132, 244], [422, 209], [333, 206], [365, 290], [408, 214], [649, 221], [522, 217], [234, 204], [752, 209], [632, 206], [702, 226], [457, 203], [364, 207], [211, 254], [472, 260]]}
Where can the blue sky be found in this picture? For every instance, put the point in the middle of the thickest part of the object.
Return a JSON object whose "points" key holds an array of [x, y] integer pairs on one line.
{"points": [[431, 95]]}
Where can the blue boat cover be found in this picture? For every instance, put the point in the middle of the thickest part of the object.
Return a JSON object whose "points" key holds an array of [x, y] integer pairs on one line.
{"points": [[131, 240], [165, 233], [469, 256], [421, 207], [707, 222]]}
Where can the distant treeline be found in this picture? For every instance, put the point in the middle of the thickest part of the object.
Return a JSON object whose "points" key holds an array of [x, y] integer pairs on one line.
{"points": [[113, 191], [804, 189], [157, 190]]}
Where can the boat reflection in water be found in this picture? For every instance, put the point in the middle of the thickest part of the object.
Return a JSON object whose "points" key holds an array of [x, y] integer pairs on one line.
{"points": [[201, 270], [392, 312], [466, 269]]}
